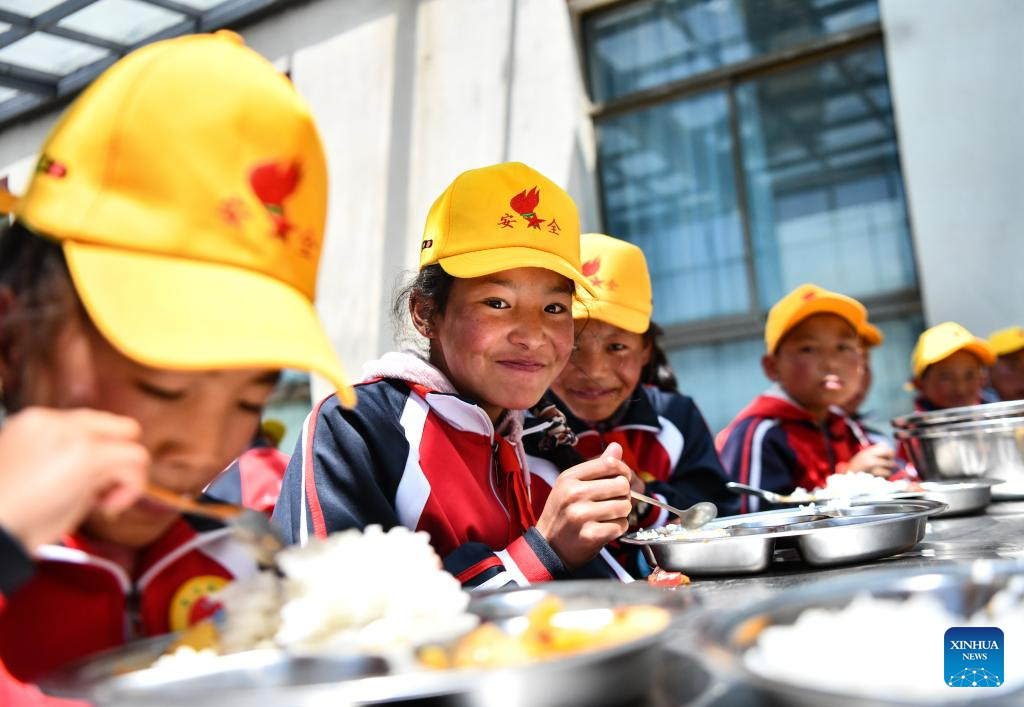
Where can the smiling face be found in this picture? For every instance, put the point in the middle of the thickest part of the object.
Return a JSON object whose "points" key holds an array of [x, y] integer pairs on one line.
{"points": [[603, 371], [953, 382], [818, 363], [503, 338], [194, 422]]}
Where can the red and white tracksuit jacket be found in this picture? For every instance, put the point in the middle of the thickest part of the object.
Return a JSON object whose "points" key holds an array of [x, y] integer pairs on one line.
{"points": [[415, 453], [777, 445], [79, 602]]}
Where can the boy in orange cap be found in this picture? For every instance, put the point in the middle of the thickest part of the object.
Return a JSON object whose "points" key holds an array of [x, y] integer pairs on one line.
{"points": [[796, 434], [948, 365], [1007, 373], [160, 272]]}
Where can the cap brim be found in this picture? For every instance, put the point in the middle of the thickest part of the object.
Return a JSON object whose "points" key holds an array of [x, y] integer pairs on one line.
{"points": [[487, 262], [611, 313], [871, 335], [848, 309], [191, 315]]}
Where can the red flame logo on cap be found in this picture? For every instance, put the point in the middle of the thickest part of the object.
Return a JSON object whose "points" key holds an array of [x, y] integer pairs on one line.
{"points": [[524, 204], [273, 182], [591, 266]]}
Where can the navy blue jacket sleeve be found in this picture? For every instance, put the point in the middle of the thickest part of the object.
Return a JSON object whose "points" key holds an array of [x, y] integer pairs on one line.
{"points": [[346, 467], [758, 453], [15, 565], [698, 475]]}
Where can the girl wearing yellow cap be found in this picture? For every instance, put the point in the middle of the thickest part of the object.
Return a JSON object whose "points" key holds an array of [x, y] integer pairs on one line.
{"points": [[618, 388], [435, 441], [1007, 373], [949, 366], [135, 289]]}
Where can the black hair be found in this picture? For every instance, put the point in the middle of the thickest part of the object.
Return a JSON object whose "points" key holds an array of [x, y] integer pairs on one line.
{"points": [[34, 273], [431, 286], [658, 371]]}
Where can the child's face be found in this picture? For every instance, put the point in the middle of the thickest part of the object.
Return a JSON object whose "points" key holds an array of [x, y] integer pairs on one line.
{"points": [[194, 422], [818, 363], [953, 382], [603, 370], [504, 337], [1008, 376]]}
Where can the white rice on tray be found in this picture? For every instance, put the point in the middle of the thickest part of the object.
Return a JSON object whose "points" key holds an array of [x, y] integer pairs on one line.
{"points": [[353, 592], [884, 648], [849, 484]]}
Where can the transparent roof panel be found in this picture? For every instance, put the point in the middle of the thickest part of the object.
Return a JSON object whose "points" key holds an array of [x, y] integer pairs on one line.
{"points": [[29, 8], [54, 55], [124, 21]]}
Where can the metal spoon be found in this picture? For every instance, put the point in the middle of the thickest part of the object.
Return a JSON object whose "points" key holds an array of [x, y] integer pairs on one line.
{"points": [[693, 517], [771, 496], [252, 528]]}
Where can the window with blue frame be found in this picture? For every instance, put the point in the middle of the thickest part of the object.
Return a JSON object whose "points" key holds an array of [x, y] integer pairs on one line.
{"points": [[749, 147]]}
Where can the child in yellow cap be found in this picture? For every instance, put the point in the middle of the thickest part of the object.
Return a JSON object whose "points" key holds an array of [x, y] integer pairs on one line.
{"points": [[160, 272], [618, 388], [948, 365], [435, 441], [796, 434], [1007, 373]]}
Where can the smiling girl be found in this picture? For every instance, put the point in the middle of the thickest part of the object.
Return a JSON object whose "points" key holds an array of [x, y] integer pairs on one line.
{"points": [[435, 442], [136, 287], [618, 389]]}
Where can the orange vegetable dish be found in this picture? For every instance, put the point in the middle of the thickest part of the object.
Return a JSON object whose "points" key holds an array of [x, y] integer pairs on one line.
{"points": [[549, 633]]}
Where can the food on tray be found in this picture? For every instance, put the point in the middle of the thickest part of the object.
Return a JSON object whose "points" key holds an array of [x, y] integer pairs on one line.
{"points": [[548, 631], [676, 531], [338, 595], [852, 483], [664, 578], [881, 648]]}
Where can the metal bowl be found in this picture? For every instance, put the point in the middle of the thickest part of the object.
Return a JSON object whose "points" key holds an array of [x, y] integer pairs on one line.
{"points": [[968, 413], [992, 449], [618, 674], [962, 589]]}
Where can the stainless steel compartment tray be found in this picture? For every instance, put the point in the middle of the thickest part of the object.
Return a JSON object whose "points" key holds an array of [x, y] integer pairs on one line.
{"points": [[823, 535], [615, 675]]}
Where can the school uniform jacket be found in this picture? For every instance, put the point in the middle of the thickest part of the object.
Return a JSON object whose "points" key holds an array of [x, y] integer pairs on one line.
{"points": [[16, 569], [78, 602], [776, 444], [664, 439], [409, 454], [253, 480]]}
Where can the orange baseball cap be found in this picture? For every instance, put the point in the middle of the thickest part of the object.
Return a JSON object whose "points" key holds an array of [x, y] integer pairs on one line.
{"points": [[502, 217], [807, 300], [870, 335], [617, 271], [188, 188], [944, 340], [1007, 341]]}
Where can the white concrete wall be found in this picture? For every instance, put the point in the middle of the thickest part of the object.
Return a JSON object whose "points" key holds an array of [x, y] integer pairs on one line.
{"points": [[955, 71], [407, 94]]}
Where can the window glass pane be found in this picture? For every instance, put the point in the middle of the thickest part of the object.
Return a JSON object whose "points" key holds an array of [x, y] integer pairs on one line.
{"points": [[124, 21], [721, 378], [825, 193], [669, 187], [54, 55], [724, 377], [29, 8], [644, 44]]}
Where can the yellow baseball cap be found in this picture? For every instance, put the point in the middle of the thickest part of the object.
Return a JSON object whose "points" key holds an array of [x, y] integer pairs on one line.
{"points": [[1007, 341], [807, 300], [944, 340], [188, 186], [502, 217], [617, 271]]}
